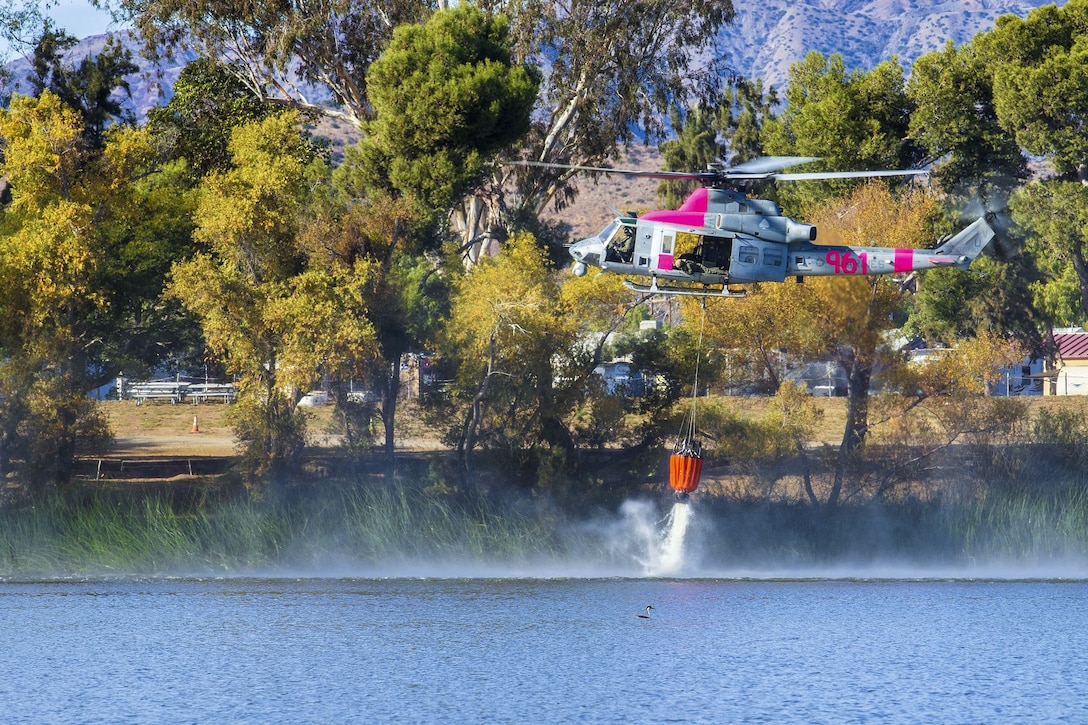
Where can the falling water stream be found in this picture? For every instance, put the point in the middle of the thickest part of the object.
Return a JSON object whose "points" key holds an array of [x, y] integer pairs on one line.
{"points": [[668, 558]]}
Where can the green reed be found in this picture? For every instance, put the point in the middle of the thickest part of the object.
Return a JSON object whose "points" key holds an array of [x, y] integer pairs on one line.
{"points": [[145, 535], [1023, 526]]}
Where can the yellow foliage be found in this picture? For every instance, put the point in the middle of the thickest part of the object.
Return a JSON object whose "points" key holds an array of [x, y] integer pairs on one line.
{"points": [[853, 310], [508, 302], [43, 152]]}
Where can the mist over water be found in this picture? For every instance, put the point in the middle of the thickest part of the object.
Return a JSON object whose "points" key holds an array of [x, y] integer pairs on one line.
{"points": [[397, 534]]}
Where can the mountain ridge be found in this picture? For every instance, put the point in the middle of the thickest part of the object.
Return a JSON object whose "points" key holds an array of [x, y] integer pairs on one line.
{"points": [[764, 42]]}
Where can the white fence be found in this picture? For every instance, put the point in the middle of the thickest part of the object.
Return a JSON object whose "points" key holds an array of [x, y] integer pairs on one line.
{"points": [[177, 391]]}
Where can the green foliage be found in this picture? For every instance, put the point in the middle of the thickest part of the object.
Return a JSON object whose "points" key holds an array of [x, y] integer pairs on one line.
{"points": [[1057, 213], [208, 103], [1062, 427], [278, 319], [446, 97], [695, 148], [955, 118], [111, 534], [91, 87], [502, 333], [1041, 82], [82, 264], [855, 120]]}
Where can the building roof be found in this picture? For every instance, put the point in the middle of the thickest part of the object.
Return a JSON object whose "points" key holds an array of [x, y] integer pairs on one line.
{"points": [[1072, 345]]}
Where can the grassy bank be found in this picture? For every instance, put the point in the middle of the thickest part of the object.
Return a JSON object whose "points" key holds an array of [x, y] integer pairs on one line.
{"points": [[335, 528], [337, 525]]}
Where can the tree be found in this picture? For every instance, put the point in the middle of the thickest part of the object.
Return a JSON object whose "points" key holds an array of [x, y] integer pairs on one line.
{"points": [[283, 53], [695, 148], [89, 87], [853, 313], [18, 21], [745, 110], [756, 331], [1057, 212], [446, 98], [1041, 95], [980, 165], [276, 322], [208, 102], [852, 121], [1041, 84], [65, 308], [503, 331], [613, 71], [954, 119]]}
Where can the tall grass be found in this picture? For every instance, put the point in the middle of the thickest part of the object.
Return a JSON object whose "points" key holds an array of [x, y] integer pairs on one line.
{"points": [[335, 527], [110, 534], [1023, 525]]}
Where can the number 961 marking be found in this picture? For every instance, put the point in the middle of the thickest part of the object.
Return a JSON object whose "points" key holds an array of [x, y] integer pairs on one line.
{"points": [[846, 262]]}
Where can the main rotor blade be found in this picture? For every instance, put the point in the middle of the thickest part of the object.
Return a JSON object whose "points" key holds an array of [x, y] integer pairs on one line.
{"points": [[694, 175], [761, 169], [765, 164], [815, 175]]}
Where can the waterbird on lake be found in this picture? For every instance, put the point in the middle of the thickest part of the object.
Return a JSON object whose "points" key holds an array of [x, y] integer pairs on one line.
{"points": [[647, 615]]}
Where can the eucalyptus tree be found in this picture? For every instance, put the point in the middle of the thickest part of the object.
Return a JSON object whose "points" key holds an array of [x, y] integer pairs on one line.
{"points": [[286, 53], [611, 71], [19, 22]]}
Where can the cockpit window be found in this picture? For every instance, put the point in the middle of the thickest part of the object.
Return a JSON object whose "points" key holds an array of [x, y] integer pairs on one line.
{"points": [[609, 232]]}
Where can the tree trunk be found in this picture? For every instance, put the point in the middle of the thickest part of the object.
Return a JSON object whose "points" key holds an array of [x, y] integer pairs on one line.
{"points": [[389, 412], [859, 377], [1081, 268]]}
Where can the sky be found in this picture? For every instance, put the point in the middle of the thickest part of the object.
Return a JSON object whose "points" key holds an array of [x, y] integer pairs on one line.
{"points": [[78, 18]]}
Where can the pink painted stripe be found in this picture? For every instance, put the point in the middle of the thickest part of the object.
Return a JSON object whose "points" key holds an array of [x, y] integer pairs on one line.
{"points": [[696, 202], [664, 261], [904, 260], [685, 218]]}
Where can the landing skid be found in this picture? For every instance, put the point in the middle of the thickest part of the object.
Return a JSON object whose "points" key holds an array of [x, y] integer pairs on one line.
{"points": [[705, 291]]}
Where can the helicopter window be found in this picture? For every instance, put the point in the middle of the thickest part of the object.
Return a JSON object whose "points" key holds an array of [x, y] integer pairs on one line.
{"points": [[772, 257], [666, 243], [609, 232], [747, 254]]}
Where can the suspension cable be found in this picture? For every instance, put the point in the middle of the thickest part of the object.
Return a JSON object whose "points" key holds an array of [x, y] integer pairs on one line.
{"points": [[686, 440]]}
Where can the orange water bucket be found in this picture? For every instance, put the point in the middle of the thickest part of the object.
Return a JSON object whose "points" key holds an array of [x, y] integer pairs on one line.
{"points": [[684, 472]]}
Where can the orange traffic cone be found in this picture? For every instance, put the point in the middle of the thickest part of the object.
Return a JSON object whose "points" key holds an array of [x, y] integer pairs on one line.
{"points": [[196, 426]]}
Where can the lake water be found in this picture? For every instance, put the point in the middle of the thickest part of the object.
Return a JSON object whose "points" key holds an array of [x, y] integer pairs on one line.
{"points": [[520, 650]]}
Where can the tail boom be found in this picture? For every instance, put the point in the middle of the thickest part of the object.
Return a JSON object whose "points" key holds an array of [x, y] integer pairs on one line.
{"points": [[820, 260]]}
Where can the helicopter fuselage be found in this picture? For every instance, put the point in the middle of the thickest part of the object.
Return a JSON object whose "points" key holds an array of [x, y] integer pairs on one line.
{"points": [[720, 237]]}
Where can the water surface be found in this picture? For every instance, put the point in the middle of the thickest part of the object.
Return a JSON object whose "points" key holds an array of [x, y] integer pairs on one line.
{"points": [[193, 650]]}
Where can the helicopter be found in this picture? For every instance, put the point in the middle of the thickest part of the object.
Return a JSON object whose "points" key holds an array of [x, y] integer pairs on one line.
{"points": [[741, 240]]}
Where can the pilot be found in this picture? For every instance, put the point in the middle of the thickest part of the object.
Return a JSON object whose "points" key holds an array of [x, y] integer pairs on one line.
{"points": [[623, 244]]}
